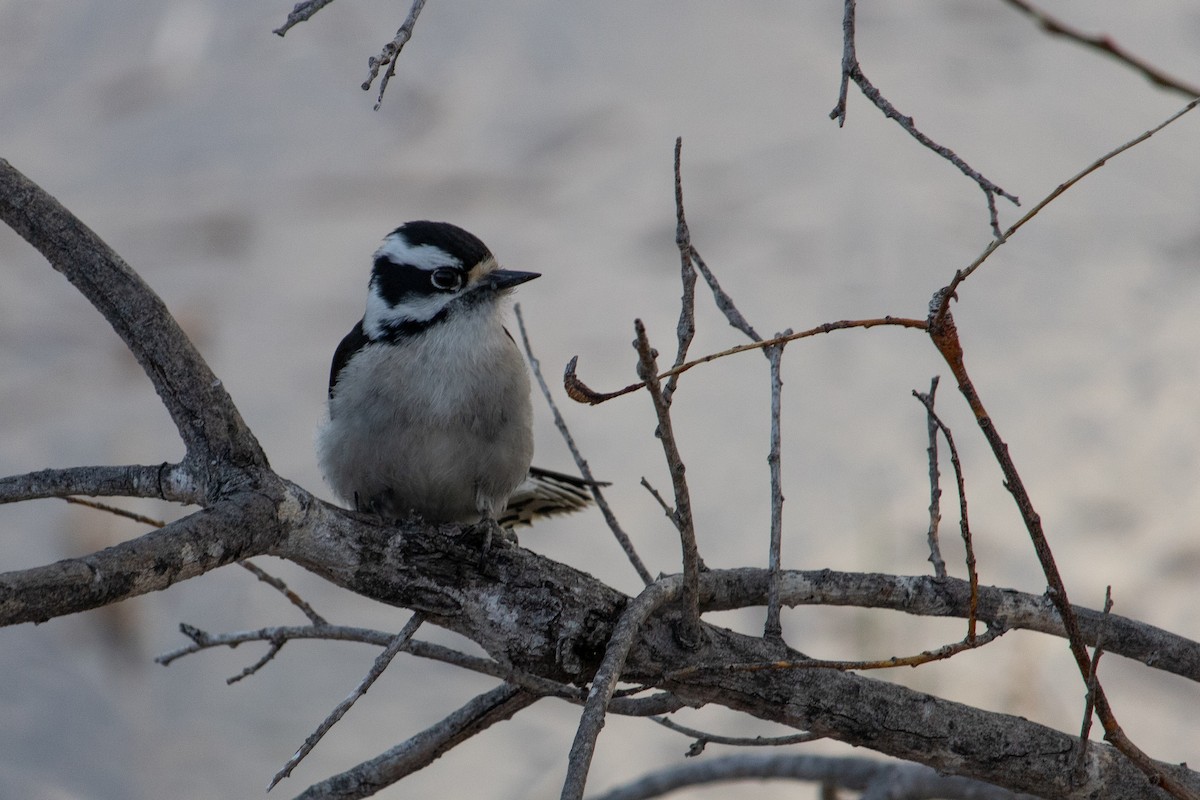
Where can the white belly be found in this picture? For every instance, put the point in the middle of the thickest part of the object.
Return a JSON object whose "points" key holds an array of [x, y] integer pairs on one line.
{"points": [[439, 426]]}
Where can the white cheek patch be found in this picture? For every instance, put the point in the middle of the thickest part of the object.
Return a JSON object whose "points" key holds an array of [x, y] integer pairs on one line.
{"points": [[380, 316]]}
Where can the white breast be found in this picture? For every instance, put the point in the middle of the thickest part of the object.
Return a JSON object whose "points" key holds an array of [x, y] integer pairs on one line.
{"points": [[438, 424]]}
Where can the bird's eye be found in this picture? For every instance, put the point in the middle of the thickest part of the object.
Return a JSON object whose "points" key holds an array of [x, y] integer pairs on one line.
{"points": [[446, 279]]}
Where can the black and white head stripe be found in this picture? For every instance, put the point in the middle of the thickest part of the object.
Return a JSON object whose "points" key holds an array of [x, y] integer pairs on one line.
{"points": [[419, 269]]}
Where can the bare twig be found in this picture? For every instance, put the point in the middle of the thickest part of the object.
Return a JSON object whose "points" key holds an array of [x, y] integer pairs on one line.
{"points": [[141, 519], [691, 261], [662, 503], [773, 629], [704, 738], [689, 632], [390, 52], [381, 663], [724, 302], [1105, 45], [852, 71], [1089, 705], [601, 501], [604, 684], [255, 570], [945, 337], [425, 747], [964, 524], [580, 392], [961, 275], [935, 489], [301, 12], [685, 331], [915, 660], [293, 598]]}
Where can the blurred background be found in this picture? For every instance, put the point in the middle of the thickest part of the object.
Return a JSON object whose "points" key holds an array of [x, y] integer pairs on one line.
{"points": [[247, 179]]}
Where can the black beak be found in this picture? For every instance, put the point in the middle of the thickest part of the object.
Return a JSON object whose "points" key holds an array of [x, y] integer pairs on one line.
{"points": [[500, 279]]}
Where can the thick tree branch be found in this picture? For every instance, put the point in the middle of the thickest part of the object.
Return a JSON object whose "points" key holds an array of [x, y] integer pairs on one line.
{"points": [[237, 527], [163, 481], [207, 421], [554, 621], [853, 774]]}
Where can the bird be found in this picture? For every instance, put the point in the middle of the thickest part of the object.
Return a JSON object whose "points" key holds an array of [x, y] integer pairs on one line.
{"points": [[429, 411]]}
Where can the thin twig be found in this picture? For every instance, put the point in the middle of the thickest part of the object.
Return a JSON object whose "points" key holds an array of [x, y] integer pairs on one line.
{"points": [[935, 489], [580, 392], [917, 659], [685, 331], [1089, 705], [390, 52], [255, 570], [381, 663], [272, 651], [141, 519], [689, 632], [601, 501], [662, 503], [604, 684], [961, 275], [773, 629], [724, 302], [704, 738], [964, 524], [424, 748], [1105, 45], [293, 598], [852, 71], [301, 12]]}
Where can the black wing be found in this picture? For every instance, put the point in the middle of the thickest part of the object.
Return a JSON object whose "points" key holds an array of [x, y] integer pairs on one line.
{"points": [[354, 341]]}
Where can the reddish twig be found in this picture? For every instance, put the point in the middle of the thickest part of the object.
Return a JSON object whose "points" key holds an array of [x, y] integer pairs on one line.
{"points": [[1105, 45], [945, 337], [580, 392]]}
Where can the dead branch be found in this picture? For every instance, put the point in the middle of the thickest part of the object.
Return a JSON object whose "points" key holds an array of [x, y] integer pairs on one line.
{"points": [[584, 468], [211, 427], [171, 482], [704, 738], [945, 338], [1105, 45], [935, 489], [852, 71], [391, 51], [424, 748], [397, 643], [301, 12], [580, 392], [961, 275], [604, 684], [964, 524], [852, 774]]}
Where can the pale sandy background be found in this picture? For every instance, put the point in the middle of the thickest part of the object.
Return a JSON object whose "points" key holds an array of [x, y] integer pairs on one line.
{"points": [[247, 179]]}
